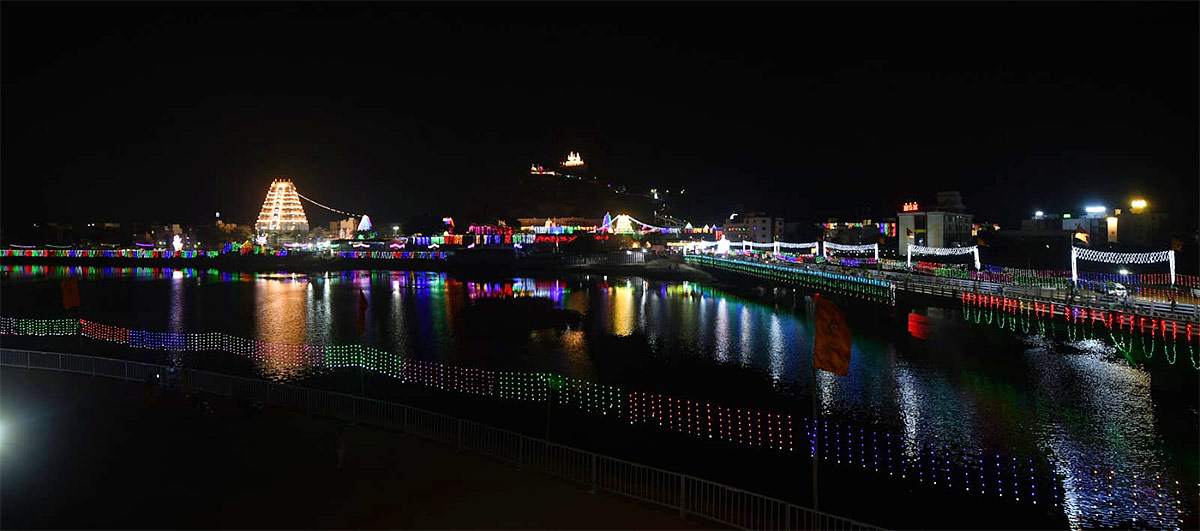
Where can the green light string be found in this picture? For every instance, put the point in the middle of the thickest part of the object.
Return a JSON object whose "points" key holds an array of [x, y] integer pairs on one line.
{"points": [[1126, 349], [1084, 329], [47, 327], [863, 288], [1149, 353]]}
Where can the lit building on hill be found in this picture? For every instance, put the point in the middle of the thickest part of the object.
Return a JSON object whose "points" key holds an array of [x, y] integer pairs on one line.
{"points": [[574, 166]]}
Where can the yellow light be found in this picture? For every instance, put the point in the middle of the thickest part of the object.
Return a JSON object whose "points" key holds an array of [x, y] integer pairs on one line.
{"points": [[1137, 204]]}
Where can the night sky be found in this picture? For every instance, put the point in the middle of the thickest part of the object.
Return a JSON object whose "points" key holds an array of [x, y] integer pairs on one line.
{"points": [[173, 111]]}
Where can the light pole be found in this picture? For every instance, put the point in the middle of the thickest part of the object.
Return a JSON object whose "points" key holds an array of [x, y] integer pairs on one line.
{"points": [[395, 231]]}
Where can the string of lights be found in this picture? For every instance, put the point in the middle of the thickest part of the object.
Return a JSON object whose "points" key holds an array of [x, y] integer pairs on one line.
{"points": [[843, 445], [943, 251], [1091, 255], [326, 207], [875, 290], [851, 248], [1163, 329]]}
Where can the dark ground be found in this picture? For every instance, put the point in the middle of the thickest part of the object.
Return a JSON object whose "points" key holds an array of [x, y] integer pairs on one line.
{"points": [[86, 452]]}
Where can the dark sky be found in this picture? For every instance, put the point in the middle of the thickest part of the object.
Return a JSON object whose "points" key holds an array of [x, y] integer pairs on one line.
{"points": [[175, 110]]}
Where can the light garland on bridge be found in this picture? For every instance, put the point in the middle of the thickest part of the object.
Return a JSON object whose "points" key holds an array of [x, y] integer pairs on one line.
{"points": [[851, 248], [1079, 253], [866, 288], [804, 245], [943, 251]]}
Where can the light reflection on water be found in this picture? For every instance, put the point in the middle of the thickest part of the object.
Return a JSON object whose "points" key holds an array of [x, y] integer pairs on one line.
{"points": [[928, 377]]}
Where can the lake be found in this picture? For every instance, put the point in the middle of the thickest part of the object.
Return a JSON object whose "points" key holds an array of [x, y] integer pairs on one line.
{"points": [[946, 393]]}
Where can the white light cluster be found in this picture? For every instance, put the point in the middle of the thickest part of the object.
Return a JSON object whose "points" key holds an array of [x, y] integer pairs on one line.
{"points": [[943, 251], [1079, 253], [806, 245], [852, 248], [840, 247]]}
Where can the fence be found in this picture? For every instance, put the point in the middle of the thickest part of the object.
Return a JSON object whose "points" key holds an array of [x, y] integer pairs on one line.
{"points": [[687, 494]]}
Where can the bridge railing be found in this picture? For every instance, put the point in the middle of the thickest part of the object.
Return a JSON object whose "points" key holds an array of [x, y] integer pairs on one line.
{"points": [[687, 494], [952, 287]]}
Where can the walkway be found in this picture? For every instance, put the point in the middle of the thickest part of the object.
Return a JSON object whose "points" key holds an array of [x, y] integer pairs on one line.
{"points": [[89, 452], [953, 288]]}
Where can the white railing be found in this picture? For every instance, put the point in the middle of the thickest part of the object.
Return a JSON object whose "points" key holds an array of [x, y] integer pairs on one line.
{"points": [[689, 495]]}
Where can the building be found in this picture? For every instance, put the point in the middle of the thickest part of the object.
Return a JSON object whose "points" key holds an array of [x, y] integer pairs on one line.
{"points": [[573, 167], [946, 225], [1139, 227], [755, 227], [861, 232], [1098, 226], [344, 229], [281, 211]]}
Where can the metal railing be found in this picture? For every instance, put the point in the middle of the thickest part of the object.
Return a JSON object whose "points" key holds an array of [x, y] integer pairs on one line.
{"points": [[952, 287], [689, 495]]}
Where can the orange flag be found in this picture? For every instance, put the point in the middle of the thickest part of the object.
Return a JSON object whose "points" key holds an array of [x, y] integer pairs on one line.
{"points": [[70, 292], [362, 312], [831, 346]]}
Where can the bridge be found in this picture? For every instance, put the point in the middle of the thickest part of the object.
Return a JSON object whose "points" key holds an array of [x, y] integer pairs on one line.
{"points": [[883, 286]]}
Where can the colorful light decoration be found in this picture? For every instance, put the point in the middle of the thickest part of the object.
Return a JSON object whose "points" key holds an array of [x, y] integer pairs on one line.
{"points": [[943, 251], [931, 464], [865, 288], [1078, 253], [1006, 312]]}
